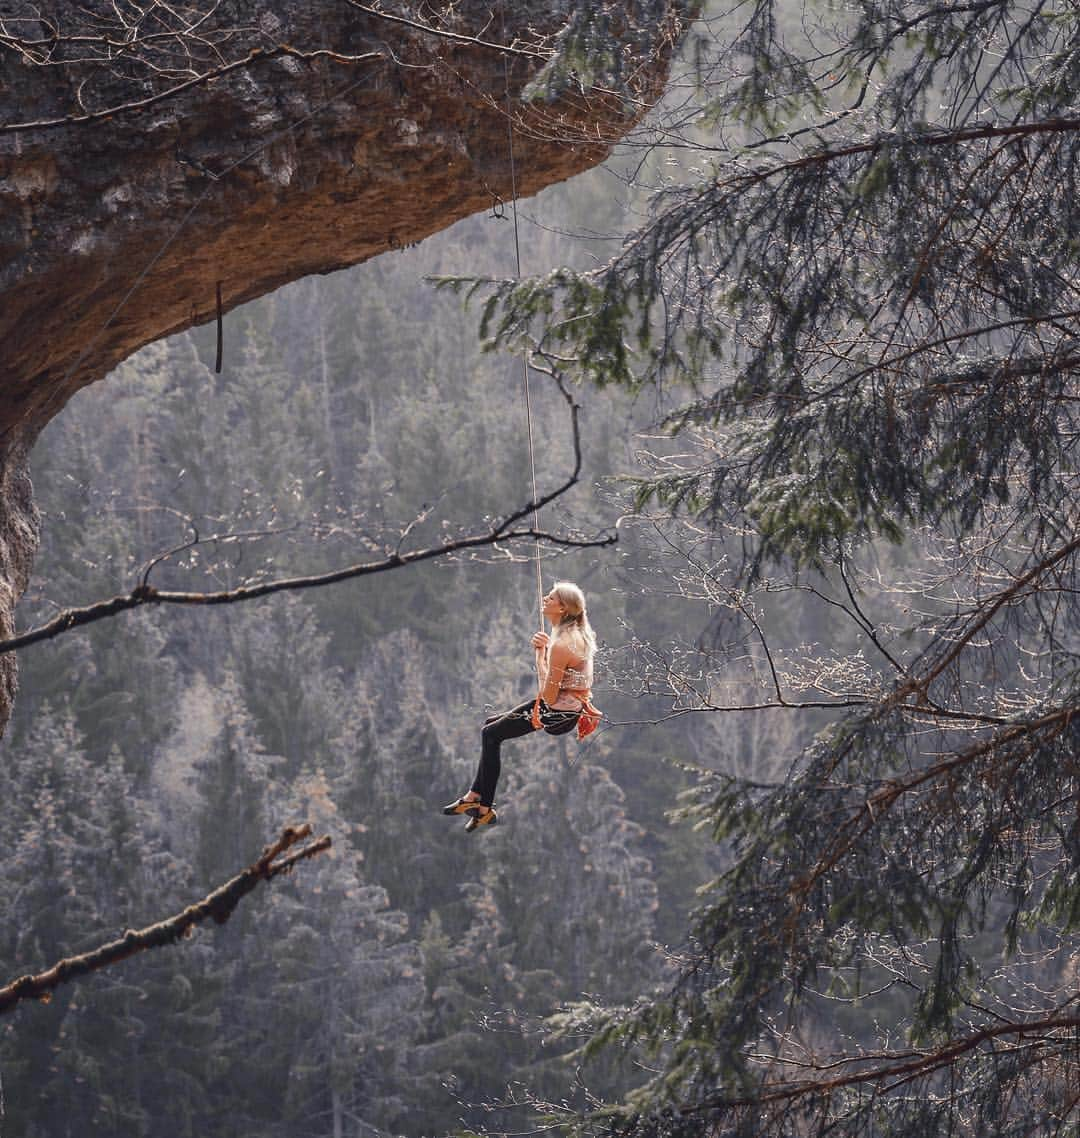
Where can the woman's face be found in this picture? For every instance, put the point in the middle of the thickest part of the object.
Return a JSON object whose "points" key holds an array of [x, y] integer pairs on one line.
{"points": [[554, 609]]}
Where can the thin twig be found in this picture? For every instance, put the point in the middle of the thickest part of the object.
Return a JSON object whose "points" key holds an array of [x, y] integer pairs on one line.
{"points": [[442, 33], [257, 55]]}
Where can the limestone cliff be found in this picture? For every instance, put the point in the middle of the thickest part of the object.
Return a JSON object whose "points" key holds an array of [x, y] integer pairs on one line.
{"points": [[150, 155]]}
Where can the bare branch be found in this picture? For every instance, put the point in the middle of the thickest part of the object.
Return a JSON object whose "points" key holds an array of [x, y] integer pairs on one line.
{"points": [[148, 595], [257, 55], [986, 612], [218, 905], [499, 532], [442, 33]]}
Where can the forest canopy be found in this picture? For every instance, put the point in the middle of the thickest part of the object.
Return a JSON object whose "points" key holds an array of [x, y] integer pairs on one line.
{"points": [[829, 289], [864, 269]]}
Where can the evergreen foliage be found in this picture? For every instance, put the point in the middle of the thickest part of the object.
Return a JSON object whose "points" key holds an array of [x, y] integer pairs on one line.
{"points": [[862, 288], [893, 279], [869, 285]]}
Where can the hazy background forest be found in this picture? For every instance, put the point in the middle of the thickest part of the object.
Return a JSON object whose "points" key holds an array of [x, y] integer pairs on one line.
{"points": [[767, 633], [398, 984]]}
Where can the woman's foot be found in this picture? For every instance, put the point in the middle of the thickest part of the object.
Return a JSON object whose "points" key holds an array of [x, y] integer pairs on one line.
{"points": [[464, 805], [481, 816]]}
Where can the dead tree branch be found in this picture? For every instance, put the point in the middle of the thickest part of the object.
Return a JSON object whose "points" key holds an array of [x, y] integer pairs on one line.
{"points": [[444, 33], [148, 595], [501, 531], [219, 905]]}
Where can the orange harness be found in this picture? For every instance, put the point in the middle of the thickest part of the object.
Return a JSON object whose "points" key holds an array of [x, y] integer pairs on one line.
{"points": [[588, 718]]}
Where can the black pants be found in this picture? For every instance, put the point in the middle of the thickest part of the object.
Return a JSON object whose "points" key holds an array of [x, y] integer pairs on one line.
{"points": [[513, 725]]}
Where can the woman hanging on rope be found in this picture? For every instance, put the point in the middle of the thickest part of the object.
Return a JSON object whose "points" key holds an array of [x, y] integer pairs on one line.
{"points": [[564, 666]]}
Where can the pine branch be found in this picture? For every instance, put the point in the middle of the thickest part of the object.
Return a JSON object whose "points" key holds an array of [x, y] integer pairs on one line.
{"points": [[909, 1065], [824, 156], [1016, 743], [219, 905]]}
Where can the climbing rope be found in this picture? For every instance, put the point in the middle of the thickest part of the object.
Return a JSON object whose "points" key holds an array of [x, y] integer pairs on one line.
{"points": [[524, 350]]}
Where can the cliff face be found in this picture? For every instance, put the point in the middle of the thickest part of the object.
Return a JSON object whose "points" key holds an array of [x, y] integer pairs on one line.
{"points": [[150, 157]]}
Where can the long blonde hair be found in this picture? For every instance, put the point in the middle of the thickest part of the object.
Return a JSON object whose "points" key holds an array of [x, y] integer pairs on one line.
{"points": [[574, 625]]}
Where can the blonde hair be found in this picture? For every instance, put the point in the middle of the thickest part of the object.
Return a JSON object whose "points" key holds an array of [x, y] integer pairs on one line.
{"points": [[574, 623]]}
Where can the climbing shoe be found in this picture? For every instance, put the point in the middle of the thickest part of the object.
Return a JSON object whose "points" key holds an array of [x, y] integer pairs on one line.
{"points": [[483, 816], [462, 807]]}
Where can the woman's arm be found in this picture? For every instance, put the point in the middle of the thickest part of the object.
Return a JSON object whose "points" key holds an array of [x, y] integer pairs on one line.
{"points": [[540, 643], [559, 658]]}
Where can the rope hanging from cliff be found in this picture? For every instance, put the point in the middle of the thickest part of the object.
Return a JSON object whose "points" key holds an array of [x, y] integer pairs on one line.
{"points": [[524, 350], [180, 225]]}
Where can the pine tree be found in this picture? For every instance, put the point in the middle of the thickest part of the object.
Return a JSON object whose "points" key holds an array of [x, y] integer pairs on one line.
{"points": [[869, 287], [292, 690], [325, 1001], [86, 864], [395, 773], [236, 782]]}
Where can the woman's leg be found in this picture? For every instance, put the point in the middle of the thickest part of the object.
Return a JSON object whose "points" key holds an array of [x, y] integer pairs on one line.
{"points": [[510, 725]]}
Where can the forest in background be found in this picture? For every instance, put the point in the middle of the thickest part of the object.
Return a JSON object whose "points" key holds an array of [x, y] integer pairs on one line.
{"points": [[399, 984], [860, 625]]}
